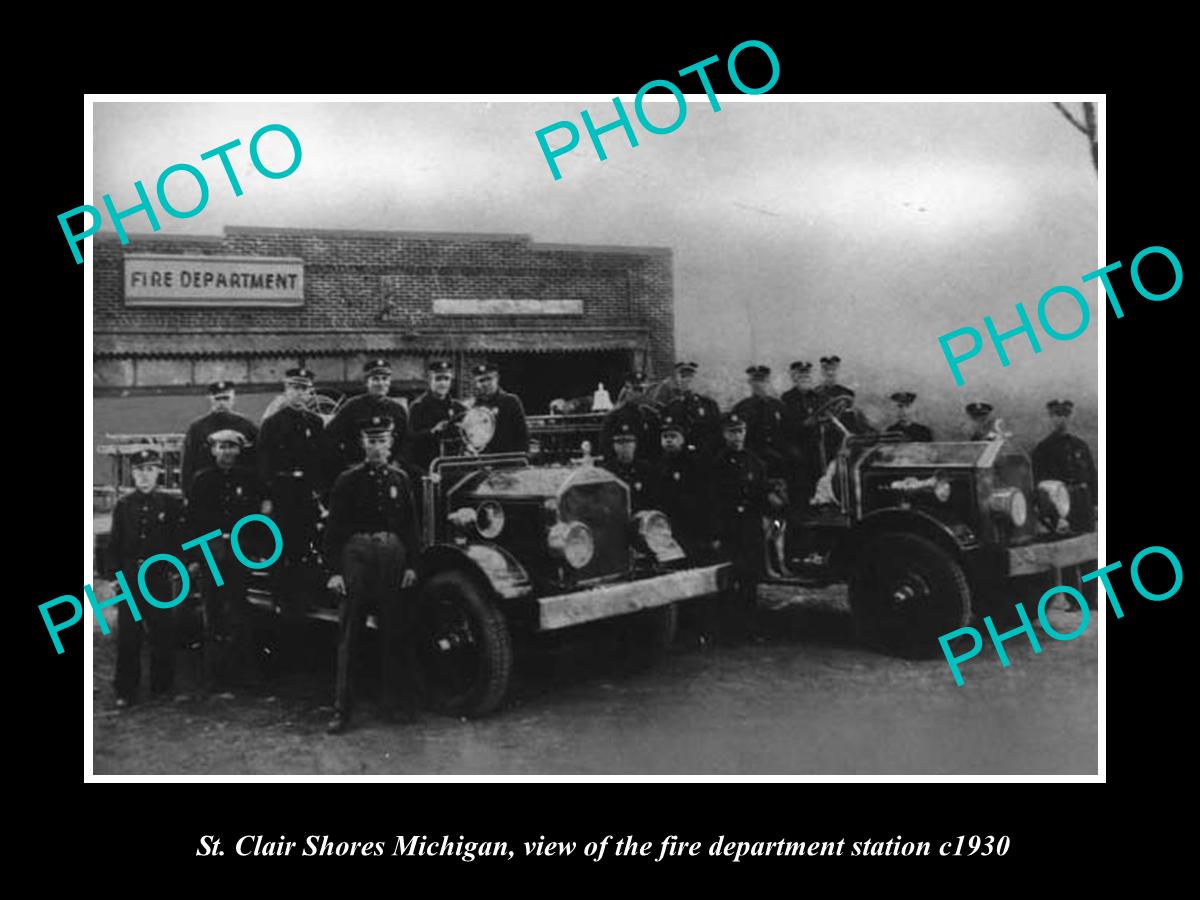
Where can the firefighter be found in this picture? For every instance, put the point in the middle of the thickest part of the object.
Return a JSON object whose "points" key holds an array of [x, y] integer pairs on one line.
{"points": [[764, 418], [803, 433], [679, 485], [912, 431], [982, 425], [512, 431], [145, 523], [373, 542], [623, 462], [291, 451], [432, 416], [634, 410], [197, 452], [219, 498], [698, 413], [344, 446], [739, 502], [1062, 456]]}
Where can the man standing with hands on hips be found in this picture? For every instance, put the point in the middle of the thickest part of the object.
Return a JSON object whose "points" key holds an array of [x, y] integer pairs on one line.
{"points": [[373, 545]]}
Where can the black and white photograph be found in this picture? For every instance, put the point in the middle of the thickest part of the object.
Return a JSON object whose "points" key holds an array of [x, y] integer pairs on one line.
{"points": [[480, 436]]}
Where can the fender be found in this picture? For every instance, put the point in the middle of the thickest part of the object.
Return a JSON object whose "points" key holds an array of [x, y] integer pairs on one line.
{"points": [[955, 537], [492, 564]]}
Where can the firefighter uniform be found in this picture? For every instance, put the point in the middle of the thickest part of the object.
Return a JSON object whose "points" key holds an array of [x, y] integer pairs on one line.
{"points": [[1065, 457], [344, 446], [634, 415], [679, 484], [912, 431], [982, 426], [430, 420], [698, 414], [144, 524], [290, 457], [512, 431], [220, 496], [196, 450], [803, 434], [766, 434], [636, 473], [372, 539], [739, 502]]}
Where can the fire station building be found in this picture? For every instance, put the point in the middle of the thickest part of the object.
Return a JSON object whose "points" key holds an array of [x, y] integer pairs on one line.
{"points": [[174, 313]]}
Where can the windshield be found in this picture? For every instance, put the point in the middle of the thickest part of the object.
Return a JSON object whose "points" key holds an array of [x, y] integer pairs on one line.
{"points": [[972, 454]]}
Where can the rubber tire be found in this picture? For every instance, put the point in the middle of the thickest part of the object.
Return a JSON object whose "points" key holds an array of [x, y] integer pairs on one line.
{"points": [[489, 626], [643, 638], [948, 584]]}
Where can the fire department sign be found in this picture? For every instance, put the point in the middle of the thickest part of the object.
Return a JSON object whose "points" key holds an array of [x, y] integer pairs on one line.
{"points": [[177, 280]]}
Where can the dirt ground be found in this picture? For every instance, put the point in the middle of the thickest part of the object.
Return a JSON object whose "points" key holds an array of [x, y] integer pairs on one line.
{"points": [[797, 698]]}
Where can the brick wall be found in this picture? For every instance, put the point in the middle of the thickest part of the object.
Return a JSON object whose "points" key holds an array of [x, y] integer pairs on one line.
{"points": [[384, 282]]}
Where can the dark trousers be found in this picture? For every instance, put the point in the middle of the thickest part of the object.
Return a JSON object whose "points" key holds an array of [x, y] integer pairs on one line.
{"points": [[228, 638], [743, 544], [160, 624], [295, 511], [373, 566]]}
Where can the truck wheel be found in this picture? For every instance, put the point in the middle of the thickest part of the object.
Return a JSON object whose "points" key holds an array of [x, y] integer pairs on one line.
{"points": [[463, 650], [905, 593], [644, 637]]}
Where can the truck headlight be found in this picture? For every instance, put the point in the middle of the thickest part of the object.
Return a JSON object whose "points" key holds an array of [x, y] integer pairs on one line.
{"points": [[462, 518], [1057, 496], [655, 529], [1009, 502], [489, 519], [573, 542]]}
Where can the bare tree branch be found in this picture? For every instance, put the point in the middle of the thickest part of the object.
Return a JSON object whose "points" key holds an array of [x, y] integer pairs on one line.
{"points": [[1089, 114], [1070, 118]]}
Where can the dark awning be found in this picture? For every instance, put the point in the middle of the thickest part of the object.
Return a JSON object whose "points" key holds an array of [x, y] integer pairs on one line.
{"points": [[214, 344]]}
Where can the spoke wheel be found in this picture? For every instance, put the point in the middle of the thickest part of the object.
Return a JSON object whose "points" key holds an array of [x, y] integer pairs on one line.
{"points": [[905, 593], [463, 648]]}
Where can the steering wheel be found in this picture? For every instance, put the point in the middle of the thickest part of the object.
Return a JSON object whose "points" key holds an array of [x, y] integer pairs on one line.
{"points": [[832, 409]]}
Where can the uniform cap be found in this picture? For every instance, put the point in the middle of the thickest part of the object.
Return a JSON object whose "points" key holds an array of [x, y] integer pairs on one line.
{"points": [[637, 379], [376, 425], [145, 458], [830, 362], [485, 368], [731, 421], [903, 398], [378, 366], [978, 410], [759, 373], [801, 366], [1060, 407], [300, 375], [686, 366], [227, 436], [440, 367], [219, 388], [624, 437], [671, 423]]}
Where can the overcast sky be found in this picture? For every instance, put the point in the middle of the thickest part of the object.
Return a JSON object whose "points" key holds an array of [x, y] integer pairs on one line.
{"points": [[798, 229]]}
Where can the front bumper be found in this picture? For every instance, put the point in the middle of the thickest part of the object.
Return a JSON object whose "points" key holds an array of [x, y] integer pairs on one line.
{"points": [[1050, 556], [610, 600]]}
